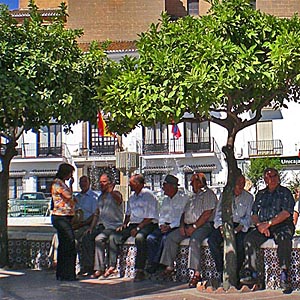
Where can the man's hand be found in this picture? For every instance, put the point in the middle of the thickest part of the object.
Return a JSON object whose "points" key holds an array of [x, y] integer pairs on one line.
{"points": [[264, 228], [120, 228]]}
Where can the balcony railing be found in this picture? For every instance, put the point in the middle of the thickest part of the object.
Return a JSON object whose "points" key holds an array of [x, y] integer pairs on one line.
{"points": [[105, 146], [180, 146], [32, 150], [265, 148]]}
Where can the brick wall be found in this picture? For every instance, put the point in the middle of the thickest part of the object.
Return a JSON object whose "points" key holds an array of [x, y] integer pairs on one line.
{"points": [[43, 3], [113, 19], [278, 7]]}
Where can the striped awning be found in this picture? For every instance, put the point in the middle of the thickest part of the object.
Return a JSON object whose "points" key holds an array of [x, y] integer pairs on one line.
{"points": [[157, 170], [43, 172], [17, 173], [198, 168]]}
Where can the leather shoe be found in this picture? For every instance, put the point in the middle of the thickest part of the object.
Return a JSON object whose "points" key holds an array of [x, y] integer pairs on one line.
{"points": [[97, 274], [284, 283], [194, 281]]}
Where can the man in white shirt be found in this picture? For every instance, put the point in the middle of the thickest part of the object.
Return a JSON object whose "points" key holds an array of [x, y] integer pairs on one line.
{"points": [[169, 219], [241, 211], [197, 224], [140, 220]]}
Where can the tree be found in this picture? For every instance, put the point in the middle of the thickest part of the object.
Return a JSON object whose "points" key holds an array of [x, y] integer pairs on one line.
{"points": [[224, 67], [44, 75]]}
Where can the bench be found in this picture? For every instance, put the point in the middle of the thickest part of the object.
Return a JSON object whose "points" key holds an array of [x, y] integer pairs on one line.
{"points": [[32, 250], [267, 254], [126, 263]]}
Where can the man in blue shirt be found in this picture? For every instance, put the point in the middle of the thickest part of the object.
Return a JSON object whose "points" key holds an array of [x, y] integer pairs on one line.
{"points": [[272, 215]]}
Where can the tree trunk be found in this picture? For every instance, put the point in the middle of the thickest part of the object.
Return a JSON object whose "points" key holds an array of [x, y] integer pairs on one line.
{"points": [[230, 258], [6, 157]]}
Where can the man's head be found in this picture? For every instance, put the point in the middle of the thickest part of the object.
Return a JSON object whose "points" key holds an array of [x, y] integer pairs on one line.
{"points": [[239, 185], [170, 185], [106, 183], [84, 183], [271, 177], [137, 182], [198, 181]]}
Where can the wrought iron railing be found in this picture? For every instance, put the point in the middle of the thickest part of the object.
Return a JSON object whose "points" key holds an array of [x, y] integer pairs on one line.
{"points": [[265, 148], [180, 146]]}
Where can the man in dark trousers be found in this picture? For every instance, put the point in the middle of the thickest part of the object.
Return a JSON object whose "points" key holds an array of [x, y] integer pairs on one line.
{"points": [[272, 215]]}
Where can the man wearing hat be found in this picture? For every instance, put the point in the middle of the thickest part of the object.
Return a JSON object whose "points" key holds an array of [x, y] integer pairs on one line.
{"points": [[196, 223], [169, 219]]}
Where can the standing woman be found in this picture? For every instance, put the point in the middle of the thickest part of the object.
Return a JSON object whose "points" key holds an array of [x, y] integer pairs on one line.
{"points": [[63, 212]]}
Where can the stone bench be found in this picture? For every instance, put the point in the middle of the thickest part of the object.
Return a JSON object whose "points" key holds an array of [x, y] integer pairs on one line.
{"points": [[126, 262], [31, 249], [271, 264], [267, 253]]}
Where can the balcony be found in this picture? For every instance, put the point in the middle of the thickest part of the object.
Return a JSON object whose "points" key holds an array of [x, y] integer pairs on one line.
{"points": [[173, 146], [107, 146], [33, 150], [265, 148]]}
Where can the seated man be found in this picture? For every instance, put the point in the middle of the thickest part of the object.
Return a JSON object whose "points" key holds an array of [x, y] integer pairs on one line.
{"points": [[140, 220], [241, 211], [169, 219], [107, 217], [196, 223], [272, 214], [86, 203]]}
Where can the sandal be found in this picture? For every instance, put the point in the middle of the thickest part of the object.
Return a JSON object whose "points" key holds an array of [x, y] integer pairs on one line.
{"points": [[97, 274], [194, 281], [109, 272]]}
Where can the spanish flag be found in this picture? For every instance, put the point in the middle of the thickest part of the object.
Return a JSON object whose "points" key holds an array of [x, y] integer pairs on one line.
{"points": [[102, 127]]}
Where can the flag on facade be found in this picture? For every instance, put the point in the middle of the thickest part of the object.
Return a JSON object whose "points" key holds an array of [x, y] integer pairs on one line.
{"points": [[175, 130], [102, 127]]}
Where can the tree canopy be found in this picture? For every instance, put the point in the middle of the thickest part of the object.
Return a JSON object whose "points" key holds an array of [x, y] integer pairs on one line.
{"points": [[44, 75], [224, 67]]}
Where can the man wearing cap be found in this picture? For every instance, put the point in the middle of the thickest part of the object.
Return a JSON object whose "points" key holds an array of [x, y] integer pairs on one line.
{"points": [[272, 215], [169, 219], [196, 223]]}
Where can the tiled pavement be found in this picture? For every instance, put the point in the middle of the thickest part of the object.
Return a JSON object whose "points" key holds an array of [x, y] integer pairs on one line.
{"points": [[37, 285]]}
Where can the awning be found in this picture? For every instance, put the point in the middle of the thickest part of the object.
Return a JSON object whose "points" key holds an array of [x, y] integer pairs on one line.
{"points": [[157, 170], [198, 168], [17, 173], [43, 172]]}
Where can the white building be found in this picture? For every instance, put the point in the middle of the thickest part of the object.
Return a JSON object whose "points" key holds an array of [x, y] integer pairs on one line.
{"points": [[154, 152]]}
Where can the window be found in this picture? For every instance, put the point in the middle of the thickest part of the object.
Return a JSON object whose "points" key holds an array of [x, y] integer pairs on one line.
{"points": [[196, 132], [157, 134], [156, 138], [193, 7], [15, 187], [154, 181], [101, 144], [44, 184], [253, 4], [50, 140]]}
